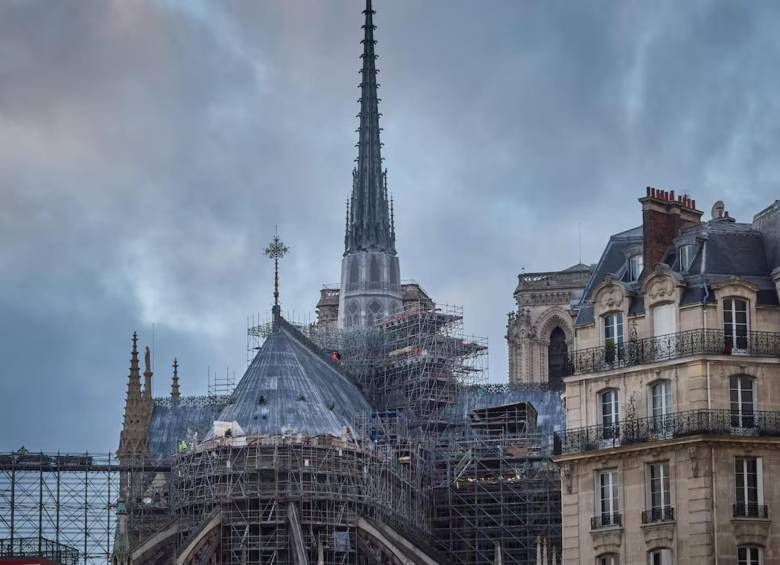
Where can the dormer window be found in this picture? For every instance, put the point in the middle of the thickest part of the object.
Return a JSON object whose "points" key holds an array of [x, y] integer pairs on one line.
{"points": [[685, 254], [635, 264]]}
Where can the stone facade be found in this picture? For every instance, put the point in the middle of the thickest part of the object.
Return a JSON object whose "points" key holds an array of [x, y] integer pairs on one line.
{"points": [[673, 422], [544, 320]]}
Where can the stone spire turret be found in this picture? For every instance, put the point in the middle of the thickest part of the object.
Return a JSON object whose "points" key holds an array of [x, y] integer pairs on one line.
{"points": [[369, 226], [175, 392], [133, 439]]}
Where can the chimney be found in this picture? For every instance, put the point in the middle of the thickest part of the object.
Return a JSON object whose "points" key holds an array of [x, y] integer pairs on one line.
{"points": [[664, 216]]}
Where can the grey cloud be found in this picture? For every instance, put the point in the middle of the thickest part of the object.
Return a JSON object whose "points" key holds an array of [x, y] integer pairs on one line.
{"points": [[147, 150]]}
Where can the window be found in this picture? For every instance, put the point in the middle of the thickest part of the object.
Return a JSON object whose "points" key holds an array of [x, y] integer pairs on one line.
{"points": [[613, 337], [750, 488], [686, 257], [610, 414], [557, 358], [749, 555], [662, 556], [735, 324], [608, 499], [660, 399], [659, 501], [635, 264], [743, 401], [665, 323], [607, 559]]}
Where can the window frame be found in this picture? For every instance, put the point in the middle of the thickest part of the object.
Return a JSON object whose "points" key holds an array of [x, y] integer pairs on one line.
{"points": [[740, 417], [664, 480], [636, 264], [743, 490], [663, 553], [608, 507], [685, 254], [734, 342], [608, 559], [749, 560]]}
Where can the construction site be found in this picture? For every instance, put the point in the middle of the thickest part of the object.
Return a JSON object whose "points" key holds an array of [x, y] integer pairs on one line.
{"points": [[369, 437]]}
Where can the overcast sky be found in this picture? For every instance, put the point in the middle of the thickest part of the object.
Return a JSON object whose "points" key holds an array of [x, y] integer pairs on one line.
{"points": [[147, 149]]}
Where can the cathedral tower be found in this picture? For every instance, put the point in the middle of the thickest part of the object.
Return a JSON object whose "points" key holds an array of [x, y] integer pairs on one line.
{"points": [[370, 274]]}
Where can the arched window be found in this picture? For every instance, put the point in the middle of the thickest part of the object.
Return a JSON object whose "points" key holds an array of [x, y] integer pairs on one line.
{"points": [[613, 337], [742, 396], [557, 358], [353, 315], [735, 324], [608, 559], [750, 555]]}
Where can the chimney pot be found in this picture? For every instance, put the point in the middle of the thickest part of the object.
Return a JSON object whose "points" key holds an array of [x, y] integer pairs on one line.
{"points": [[693, 204], [648, 191]]}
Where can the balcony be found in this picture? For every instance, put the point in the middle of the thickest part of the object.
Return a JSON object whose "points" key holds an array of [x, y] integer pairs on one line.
{"points": [[672, 346], [658, 515], [670, 426], [603, 521], [751, 510]]}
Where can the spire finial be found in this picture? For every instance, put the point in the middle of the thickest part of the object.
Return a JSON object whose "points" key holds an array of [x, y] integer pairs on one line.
{"points": [[135, 342], [276, 250]]}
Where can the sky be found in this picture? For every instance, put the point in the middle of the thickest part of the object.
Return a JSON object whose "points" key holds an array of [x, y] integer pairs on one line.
{"points": [[148, 149]]}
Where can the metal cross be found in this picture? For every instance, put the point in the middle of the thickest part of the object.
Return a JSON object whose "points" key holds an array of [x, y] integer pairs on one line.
{"points": [[276, 250]]}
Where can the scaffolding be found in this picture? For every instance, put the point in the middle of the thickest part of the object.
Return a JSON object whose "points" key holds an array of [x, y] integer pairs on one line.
{"points": [[496, 493], [261, 485], [58, 502]]}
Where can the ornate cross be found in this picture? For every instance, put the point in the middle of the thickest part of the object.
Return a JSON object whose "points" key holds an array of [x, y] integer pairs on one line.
{"points": [[276, 250]]}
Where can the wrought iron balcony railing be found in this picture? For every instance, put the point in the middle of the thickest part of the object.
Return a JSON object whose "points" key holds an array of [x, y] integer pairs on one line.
{"points": [[656, 515], [670, 426], [751, 510], [606, 520], [672, 346]]}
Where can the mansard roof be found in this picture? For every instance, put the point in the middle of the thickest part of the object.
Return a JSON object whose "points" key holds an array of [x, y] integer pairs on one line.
{"points": [[291, 387], [722, 250]]}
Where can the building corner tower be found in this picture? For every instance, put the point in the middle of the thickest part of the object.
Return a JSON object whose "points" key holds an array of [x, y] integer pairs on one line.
{"points": [[370, 274]]}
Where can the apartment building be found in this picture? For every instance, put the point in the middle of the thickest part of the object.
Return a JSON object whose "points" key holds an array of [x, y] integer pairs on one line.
{"points": [[672, 447]]}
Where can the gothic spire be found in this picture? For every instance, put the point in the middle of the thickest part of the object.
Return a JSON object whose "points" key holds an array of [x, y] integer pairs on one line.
{"points": [[175, 392], [134, 378], [369, 227]]}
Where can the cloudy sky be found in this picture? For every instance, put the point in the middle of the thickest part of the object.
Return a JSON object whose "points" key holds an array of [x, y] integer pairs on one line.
{"points": [[147, 149]]}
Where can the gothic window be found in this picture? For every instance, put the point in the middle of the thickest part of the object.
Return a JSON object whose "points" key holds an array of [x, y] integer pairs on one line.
{"points": [[374, 312], [557, 358], [354, 274], [353, 315], [374, 275]]}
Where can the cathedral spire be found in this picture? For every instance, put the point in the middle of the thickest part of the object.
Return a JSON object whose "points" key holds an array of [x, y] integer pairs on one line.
{"points": [[175, 392], [369, 227]]}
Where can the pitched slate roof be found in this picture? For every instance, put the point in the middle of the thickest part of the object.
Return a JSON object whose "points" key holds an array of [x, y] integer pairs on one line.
{"points": [[174, 421], [290, 387]]}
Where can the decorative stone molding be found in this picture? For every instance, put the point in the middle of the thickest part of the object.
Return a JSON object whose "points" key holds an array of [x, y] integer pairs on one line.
{"points": [[662, 285], [751, 531], [694, 456], [659, 535], [567, 470], [609, 295], [607, 541]]}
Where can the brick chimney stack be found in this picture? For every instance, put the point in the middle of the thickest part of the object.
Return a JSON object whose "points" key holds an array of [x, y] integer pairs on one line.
{"points": [[663, 217]]}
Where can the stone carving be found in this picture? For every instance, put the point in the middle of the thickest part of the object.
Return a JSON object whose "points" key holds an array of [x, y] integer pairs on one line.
{"points": [[566, 475], [660, 287], [693, 455], [610, 297]]}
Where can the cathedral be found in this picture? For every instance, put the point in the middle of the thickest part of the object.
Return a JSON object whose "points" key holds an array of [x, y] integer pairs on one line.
{"points": [[369, 437]]}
